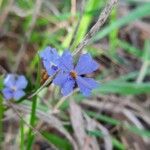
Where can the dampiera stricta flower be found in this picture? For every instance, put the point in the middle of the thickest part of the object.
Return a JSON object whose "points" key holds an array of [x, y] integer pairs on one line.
{"points": [[50, 60], [70, 76], [14, 86]]}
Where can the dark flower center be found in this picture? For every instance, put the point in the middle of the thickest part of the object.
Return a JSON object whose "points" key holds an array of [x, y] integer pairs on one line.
{"points": [[54, 67], [73, 74]]}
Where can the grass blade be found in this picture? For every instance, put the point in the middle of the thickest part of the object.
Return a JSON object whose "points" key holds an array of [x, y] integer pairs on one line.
{"points": [[138, 13]]}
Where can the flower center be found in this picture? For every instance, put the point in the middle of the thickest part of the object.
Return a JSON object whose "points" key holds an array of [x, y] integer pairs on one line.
{"points": [[73, 74], [13, 88]]}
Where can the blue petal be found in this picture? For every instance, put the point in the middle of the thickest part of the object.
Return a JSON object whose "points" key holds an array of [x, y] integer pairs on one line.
{"points": [[50, 68], [18, 94], [50, 60], [86, 65], [8, 94], [66, 62], [61, 78], [49, 54], [68, 87], [9, 81], [21, 82], [86, 85]]}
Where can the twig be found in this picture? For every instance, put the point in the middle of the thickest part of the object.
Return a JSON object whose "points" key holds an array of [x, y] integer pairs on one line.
{"points": [[48, 81], [102, 18]]}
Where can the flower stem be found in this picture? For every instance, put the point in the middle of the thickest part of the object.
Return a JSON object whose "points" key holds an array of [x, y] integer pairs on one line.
{"points": [[32, 123], [1, 121], [21, 135]]}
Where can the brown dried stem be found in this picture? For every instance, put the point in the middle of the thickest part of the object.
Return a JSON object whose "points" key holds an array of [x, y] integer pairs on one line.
{"points": [[102, 18]]}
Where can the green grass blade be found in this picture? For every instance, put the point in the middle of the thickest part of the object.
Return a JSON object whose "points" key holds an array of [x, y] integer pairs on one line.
{"points": [[32, 123], [59, 142], [87, 17], [138, 13], [113, 36], [123, 88], [1, 83], [103, 118], [129, 48], [131, 128], [116, 144], [21, 135]]}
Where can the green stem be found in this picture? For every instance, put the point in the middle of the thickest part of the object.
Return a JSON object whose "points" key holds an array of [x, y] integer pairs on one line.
{"points": [[113, 36], [33, 112], [32, 123], [1, 1], [21, 135], [1, 121]]}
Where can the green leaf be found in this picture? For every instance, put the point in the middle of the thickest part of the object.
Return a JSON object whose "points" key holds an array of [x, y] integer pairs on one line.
{"points": [[103, 118], [95, 133], [117, 144], [146, 55], [123, 88], [141, 132], [59, 142]]}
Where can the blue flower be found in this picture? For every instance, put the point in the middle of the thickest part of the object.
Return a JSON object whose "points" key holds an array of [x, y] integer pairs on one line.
{"points": [[50, 59], [70, 76], [14, 86]]}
